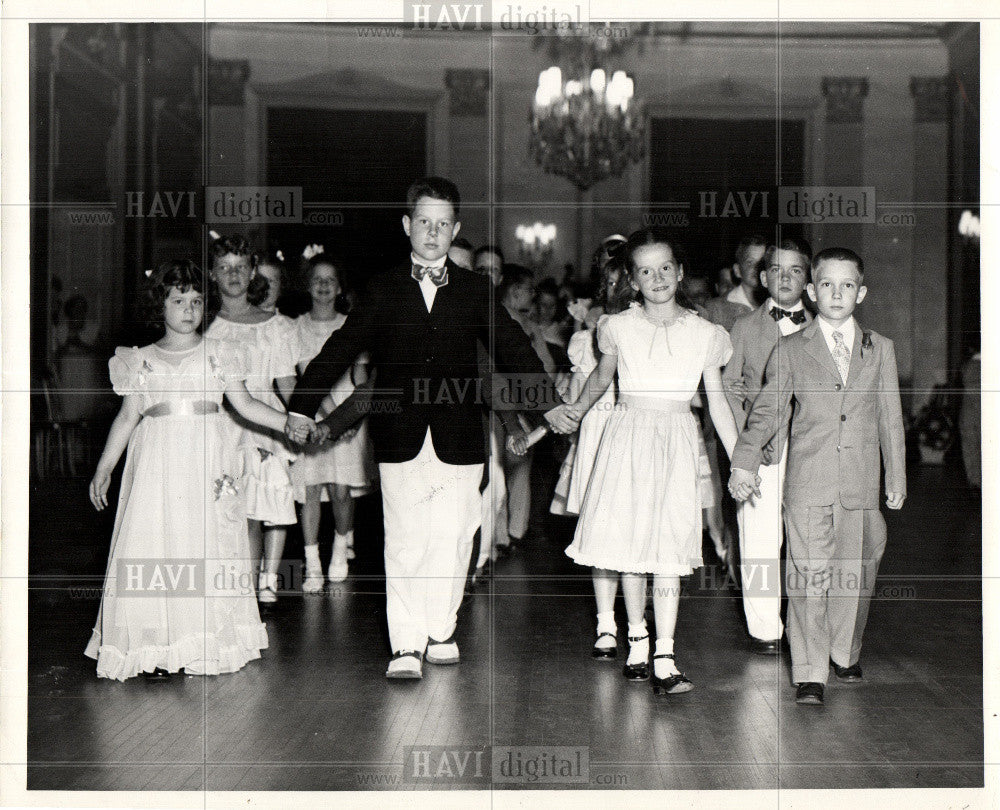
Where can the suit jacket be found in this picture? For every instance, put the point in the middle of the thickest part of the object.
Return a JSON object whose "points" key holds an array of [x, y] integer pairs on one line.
{"points": [[724, 312], [837, 429], [754, 337], [428, 374]]}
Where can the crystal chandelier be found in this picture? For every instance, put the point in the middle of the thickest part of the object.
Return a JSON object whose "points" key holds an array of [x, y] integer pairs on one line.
{"points": [[586, 128]]}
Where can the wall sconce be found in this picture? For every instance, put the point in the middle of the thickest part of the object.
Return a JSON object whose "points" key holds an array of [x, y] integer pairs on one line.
{"points": [[536, 242]]}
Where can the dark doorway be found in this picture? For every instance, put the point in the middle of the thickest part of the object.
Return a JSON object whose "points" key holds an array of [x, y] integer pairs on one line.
{"points": [[354, 167], [728, 171]]}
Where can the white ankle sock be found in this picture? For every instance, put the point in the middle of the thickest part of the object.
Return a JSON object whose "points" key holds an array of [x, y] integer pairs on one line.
{"points": [[339, 549], [638, 651], [312, 558], [662, 667], [267, 581], [606, 622], [348, 536]]}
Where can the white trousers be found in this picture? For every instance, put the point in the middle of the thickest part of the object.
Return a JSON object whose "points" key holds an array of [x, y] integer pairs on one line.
{"points": [[760, 526], [431, 511], [494, 517]]}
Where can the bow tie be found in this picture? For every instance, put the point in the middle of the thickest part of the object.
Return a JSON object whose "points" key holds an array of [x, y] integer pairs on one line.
{"points": [[798, 316], [438, 275]]}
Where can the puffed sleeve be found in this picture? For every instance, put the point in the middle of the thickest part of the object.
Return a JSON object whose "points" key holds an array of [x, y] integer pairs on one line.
{"points": [[581, 351], [720, 349], [232, 362], [607, 337], [126, 371]]}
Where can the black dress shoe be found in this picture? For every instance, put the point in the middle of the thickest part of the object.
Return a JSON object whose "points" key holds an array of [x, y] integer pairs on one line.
{"points": [[636, 672], [764, 647], [671, 685], [602, 652], [809, 693], [851, 674]]}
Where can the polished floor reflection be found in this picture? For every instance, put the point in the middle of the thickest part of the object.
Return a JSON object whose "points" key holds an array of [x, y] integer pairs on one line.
{"points": [[316, 712]]}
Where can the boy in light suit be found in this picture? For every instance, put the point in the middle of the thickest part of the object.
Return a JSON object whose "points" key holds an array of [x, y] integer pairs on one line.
{"points": [[784, 274], [846, 389]]}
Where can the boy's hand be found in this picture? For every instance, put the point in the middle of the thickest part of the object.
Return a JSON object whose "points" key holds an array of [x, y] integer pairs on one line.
{"points": [[517, 443], [99, 489], [738, 388], [894, 500], [743, 484], [562, 419], [319, 433]]}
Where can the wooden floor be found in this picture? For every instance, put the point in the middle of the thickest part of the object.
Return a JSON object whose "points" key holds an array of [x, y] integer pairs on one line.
{"points": [[316, 713]]}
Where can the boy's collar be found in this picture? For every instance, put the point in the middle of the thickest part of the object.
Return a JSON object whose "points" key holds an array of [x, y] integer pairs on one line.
{"points": [[415, 259], [793, 308], [851, 325]]}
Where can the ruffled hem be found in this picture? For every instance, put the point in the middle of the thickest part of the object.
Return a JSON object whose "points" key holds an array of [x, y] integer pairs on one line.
{"points": [[201, 649], [268, 488], [677, 569]]}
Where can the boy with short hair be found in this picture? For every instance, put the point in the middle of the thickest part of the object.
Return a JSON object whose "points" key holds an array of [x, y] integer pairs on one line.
{"points": [[845, 385], [784, 273], [742, 298], [421, 324]]}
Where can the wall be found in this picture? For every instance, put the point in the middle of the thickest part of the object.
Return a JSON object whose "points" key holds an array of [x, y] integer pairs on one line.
{"points": [[907, 271]]}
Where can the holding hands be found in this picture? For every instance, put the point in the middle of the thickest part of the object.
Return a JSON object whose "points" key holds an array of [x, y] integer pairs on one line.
{"points": [[517, 443], [743, 484], [564, 419], [303, 430]]}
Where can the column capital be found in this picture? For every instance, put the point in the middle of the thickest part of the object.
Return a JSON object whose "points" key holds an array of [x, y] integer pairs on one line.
{"points": [[845, 97], [931, 95], [227, 79], [469, 91]]}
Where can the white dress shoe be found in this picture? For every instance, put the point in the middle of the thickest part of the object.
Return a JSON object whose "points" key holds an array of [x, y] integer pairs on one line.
{"points": [[313, 580], [405, 665], [442, 652]]}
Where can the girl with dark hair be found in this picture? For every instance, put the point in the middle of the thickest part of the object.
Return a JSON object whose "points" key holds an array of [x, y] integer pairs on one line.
{"points": [[269, 338], [180, 525], [338, 471]]}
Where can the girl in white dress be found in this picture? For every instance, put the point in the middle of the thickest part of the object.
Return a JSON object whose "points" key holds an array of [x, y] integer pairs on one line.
{"points": [[270, 342], [641, 512], [340, 470], [179, 589]]}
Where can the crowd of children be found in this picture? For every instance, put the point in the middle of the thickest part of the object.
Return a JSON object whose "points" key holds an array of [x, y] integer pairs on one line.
{"points": [[650, 371]]}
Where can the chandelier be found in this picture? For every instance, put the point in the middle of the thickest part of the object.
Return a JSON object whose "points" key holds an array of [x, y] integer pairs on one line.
{"points": [[584, 126]]}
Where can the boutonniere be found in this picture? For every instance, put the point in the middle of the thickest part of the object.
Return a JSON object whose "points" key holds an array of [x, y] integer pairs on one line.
{"points": [[225, 486], [866, 342]]}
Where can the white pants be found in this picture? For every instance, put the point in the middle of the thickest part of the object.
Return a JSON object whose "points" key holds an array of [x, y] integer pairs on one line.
{"points": [[760, 528], [431, 512], [494, 529], [517, 474]]}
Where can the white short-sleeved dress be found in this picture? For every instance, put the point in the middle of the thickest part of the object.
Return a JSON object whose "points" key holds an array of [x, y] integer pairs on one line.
{"points": [[179, 590], [641, 512], [271, 347], [350, 462], [581, 352]]}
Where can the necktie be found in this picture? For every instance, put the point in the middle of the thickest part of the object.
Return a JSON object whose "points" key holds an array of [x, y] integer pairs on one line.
{"points": [[841, 355], [798, 316], [438, 275]]}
